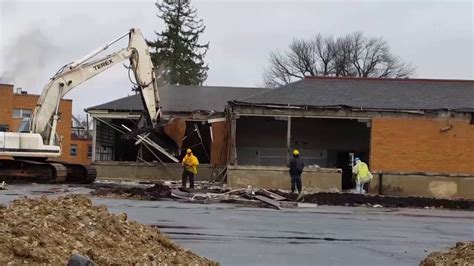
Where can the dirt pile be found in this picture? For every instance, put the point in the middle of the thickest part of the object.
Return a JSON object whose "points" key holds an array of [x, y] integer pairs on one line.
{"points": [[158, 191], [48, 231], [351, 199], [461, 254]]}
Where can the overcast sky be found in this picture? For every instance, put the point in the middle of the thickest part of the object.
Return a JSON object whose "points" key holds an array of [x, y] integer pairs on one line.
{"points": [[38, 37]]}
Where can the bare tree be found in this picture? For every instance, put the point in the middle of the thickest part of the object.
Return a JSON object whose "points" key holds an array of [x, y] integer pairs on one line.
{"points": [[353, 55], [305, 57]]}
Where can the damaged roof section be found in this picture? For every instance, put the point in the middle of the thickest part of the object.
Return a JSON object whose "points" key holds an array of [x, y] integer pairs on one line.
{"points": [[175, 98], [371, 93]]}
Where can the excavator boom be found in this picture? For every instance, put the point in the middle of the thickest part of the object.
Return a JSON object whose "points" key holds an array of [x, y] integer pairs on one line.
{"points": [[41, 142]]}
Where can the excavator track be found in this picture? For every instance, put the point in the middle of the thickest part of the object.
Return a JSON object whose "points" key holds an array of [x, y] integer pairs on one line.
{"points": [[45, 172], [80, 174]]}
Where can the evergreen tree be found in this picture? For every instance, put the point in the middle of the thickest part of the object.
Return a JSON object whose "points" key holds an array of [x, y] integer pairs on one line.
{"points": [[177, 51]]}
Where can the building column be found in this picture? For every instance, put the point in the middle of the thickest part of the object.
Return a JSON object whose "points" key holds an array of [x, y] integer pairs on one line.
{"points": [[288, 139], [233, 144], [94, 138]]}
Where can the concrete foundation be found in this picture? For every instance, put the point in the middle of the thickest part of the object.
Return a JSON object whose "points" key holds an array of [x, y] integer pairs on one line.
{"points": [[325, 179], [425, 185], [149, 171]]}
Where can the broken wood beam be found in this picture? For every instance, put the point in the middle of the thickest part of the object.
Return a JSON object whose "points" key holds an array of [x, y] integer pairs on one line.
{"points": [[269, 201], [154, 145], [269, 194]]}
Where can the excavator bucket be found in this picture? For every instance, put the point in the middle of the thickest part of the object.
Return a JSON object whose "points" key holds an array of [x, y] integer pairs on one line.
{"points": [[169, 135], [176, 129]]}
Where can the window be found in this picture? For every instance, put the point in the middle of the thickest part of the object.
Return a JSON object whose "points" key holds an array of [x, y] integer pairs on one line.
{"points": [[21, 113], [89, 151], [73, 150], [24, 126]]}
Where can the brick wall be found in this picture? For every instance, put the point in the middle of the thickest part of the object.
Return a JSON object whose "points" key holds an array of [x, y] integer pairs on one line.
{"points": [[418, 145], [82, 148], [64, 129], [6, 99]]}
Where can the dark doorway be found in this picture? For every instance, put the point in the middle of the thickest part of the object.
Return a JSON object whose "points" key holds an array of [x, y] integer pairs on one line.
{"points": [[344, 161]]}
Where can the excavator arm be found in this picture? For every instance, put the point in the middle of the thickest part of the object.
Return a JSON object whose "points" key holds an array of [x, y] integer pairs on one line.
{"points": [[78, 72], [30, 150]]}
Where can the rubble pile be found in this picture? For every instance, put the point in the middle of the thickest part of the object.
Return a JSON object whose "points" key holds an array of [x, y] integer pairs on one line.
{"points": [[253, 197], [158, 191], [461, 254], [49, 231], [351, 199], [257, 197]]}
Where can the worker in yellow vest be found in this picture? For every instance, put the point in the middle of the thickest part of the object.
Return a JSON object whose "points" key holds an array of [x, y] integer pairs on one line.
{"points": [[362, 175], [190, 163]]}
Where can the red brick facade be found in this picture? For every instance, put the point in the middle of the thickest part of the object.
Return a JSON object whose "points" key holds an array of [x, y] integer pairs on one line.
{"points": [[436, 145]]}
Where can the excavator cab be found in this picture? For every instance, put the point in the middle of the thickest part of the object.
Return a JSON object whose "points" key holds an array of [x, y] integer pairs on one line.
{"points": [[24, 125], [4, 128]]}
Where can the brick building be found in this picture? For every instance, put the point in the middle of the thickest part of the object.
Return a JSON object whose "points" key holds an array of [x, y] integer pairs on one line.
{"points": [[396, 125], [417, 135], [16, 105]]}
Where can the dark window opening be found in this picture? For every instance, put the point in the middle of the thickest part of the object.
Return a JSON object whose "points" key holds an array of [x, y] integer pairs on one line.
{"points": [[89, 151], [73, 151]]}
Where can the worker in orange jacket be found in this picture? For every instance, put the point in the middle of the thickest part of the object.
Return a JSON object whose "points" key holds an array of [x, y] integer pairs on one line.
{"points": [[190, 163]]}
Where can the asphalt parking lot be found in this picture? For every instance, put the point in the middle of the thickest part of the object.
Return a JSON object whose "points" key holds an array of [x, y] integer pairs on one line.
{"points": [[325, 235]]}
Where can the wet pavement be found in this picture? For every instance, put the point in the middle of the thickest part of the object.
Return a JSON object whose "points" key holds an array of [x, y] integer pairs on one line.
{"points": [[325, 235]]}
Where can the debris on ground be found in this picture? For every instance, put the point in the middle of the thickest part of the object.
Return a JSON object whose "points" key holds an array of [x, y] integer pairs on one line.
{"points": [[273, 198], [351, 199], [247, 196], [461, 254], [157, 191], [50, 231], [3, 185], [254, 197]]}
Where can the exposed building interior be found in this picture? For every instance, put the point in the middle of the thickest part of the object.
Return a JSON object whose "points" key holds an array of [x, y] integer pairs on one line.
{"points": [[325, 142], [112, 146]]}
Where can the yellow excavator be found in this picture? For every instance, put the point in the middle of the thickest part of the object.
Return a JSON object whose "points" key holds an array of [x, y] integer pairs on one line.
{"points": [[34, 149]]}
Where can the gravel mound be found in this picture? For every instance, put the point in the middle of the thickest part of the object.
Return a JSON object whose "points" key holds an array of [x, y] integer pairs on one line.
{"points": [[49, 231], [461, 254]]}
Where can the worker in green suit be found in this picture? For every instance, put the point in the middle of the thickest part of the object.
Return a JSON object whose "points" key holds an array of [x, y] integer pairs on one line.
{"points": [[362, 175]]}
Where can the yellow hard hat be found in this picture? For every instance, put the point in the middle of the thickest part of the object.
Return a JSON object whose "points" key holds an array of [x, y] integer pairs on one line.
{"points": [[296, 152], [189, 151]]}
